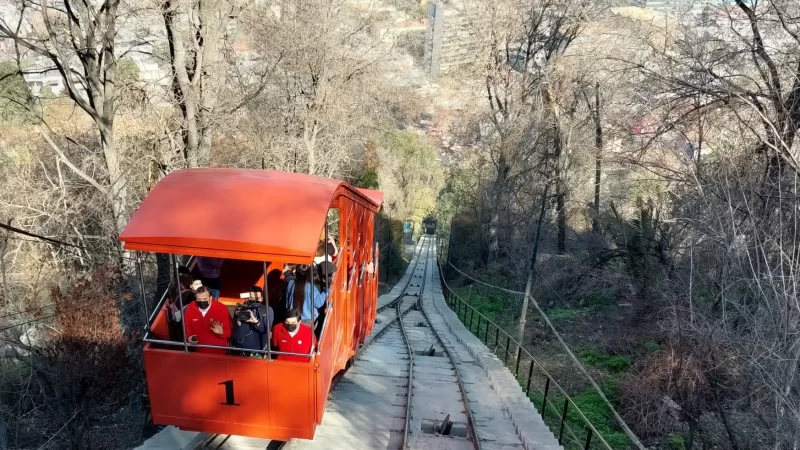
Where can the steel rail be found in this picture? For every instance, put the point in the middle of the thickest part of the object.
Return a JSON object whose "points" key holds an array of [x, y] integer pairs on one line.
{"points": [[409, 391], [464, 399], [402, 294], [396, 302]]}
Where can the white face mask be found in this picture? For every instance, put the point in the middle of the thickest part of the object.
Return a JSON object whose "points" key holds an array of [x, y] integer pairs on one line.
{"points": [[196, 286]]}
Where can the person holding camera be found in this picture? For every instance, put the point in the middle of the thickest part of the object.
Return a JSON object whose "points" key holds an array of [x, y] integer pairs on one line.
{"points": [[252, 320]]}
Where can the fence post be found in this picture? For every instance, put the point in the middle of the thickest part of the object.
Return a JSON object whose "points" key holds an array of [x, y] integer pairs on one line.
{"points": [[471, 316], [449, 241], [524, 313], [544, 400], [530, 374], [563, 419]]}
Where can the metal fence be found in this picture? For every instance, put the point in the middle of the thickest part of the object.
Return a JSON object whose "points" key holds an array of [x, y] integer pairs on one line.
{"points": [[533, 375]]}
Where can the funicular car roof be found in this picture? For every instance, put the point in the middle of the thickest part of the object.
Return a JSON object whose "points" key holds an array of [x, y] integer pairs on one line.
{"points": [[238, 213]]}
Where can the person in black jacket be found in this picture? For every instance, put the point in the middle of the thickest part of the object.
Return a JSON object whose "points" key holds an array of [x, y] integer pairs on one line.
{"points": [[250, 334]]}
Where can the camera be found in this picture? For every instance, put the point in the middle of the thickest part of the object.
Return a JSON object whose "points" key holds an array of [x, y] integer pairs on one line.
{"points": [[242, 312]]}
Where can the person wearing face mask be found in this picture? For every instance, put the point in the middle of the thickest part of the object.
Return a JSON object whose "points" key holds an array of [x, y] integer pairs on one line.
{"points": [[293, 337], [303, 295], [183, 294], [207, 322]]}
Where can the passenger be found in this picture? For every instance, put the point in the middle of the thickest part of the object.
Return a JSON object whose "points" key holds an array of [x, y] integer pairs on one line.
{"points": [[208, 322], [184, 294], [324, 265], [291, 336], [183, 269], [208, 269], [327, 252], [249, 334], [305, 298], [288, 272], [256, 293], [196, 282]]}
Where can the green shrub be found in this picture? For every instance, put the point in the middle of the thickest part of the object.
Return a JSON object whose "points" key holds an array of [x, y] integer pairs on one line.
{"points": [[594, 409], [675, 442], [652, 346], [601, 299], [563, 313], [614, 364]]}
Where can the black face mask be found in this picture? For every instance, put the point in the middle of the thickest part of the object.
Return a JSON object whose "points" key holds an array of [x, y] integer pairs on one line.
{"points": [[291, 327], [202, 305]]}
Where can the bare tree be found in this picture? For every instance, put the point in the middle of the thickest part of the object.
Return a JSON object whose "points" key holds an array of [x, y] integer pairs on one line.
{"points": [[78, 39], [195, 34], [525, 41]]}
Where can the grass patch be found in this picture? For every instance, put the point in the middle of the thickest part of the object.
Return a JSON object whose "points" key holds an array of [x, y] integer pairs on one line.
{"points": [[614, 364], [500, 308], [596, 411], [601, 300], [652, 346], [564, 313], [675, 442]]}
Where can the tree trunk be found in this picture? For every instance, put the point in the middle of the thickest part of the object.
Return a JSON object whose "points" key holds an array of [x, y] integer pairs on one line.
{"points": [[310, 140], [181, 84], [561, 196], [118, 183], [211, 26], [598, 158], [532, 267], [498, 190], [692, 430]]}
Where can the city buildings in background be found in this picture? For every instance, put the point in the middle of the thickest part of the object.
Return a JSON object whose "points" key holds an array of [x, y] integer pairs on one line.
{"points": [[453, 37], [676, 7]]}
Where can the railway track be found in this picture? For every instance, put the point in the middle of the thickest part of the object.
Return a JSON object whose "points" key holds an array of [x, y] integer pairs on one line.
{"points": [[438, 410]]}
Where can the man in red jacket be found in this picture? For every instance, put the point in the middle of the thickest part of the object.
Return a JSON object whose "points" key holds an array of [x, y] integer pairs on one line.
{"points": [[293, 337], [208, 322]]}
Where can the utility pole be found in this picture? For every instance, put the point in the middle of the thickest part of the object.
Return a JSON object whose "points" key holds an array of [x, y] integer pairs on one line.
{"points": [[449, 241], [531, 270]]}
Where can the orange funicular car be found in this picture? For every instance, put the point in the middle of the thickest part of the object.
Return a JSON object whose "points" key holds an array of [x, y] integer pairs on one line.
{"points": [[258, 221]]}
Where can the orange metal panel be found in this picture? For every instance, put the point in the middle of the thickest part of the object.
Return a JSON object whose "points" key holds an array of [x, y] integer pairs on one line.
{"points": [[160, 328], [244, 212], [231, 394], [324, 360]]}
